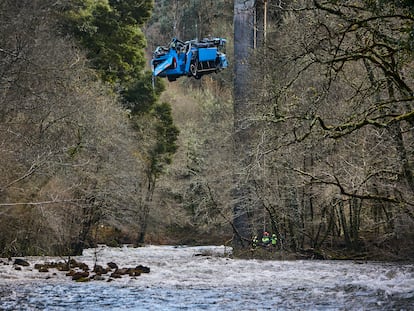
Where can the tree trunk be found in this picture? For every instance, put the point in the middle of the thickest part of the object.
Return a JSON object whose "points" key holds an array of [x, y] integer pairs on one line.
{"points": [[243, 43], [344, 224], [144, 212], [88, 219]]}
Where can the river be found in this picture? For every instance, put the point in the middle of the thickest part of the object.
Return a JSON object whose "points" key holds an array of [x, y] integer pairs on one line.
{"points": [[205, 278]]}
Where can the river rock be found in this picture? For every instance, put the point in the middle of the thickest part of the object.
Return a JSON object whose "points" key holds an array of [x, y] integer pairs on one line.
{"points": [[21, 262], [83, 266], [43, 269], [112, 265], [62, 266], [122, 271], [142, 269], [99, 270], [73, 263], [116, 275], [97, 277], [77, 276], [79, 271]]}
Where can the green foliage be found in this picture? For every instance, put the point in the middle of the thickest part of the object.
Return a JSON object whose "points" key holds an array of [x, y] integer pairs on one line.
{"points": [[142, 99], [111, 33], [132, 12], [140, 96], [167, 134]]}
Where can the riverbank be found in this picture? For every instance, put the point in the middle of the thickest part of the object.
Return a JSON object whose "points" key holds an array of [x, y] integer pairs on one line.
{"points": [[368, 249], [374, 254]]}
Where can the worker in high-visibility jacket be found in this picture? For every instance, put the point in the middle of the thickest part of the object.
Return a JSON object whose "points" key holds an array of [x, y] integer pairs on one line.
{"points": [[266, 239], [273, 240], [255, 241]]}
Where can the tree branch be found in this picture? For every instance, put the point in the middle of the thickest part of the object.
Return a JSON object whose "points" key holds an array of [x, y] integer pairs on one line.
{"points": [[72, 201], [366, 196]]}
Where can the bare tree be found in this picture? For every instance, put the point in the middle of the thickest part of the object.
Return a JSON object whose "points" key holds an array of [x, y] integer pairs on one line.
{"points": [[67, 151], [335, 112]]}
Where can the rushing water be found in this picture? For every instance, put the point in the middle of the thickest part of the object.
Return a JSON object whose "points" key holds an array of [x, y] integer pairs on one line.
{"points": [[180, 279]]}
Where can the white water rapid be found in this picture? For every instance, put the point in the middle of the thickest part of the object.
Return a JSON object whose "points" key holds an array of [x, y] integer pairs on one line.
{"points": [[205, 278]]}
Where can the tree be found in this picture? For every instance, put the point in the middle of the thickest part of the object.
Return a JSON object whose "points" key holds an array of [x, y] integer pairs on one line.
{"points": [[336, 113], [67, 153], [111, 33], [159, 149]]}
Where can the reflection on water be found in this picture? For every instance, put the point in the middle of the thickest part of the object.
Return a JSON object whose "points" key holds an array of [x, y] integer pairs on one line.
{"points": [[181, 281]]}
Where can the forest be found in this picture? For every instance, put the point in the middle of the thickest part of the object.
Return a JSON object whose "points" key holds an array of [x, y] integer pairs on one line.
{"points": [[308, 134]]}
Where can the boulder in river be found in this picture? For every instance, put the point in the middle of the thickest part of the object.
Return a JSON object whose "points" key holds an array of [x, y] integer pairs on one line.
{"points": [[77, 276], [77, 264], [116, 275], [99, 270], [21, 262], [43, 269], [112, 265], [62, 266], [142, 269]]}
